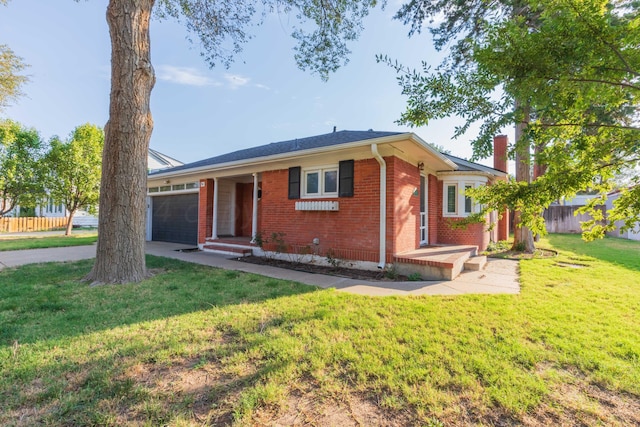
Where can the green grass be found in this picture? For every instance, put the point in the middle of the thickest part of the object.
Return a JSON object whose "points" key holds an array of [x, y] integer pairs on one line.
{"points": [[197, 346], [19, 243]]}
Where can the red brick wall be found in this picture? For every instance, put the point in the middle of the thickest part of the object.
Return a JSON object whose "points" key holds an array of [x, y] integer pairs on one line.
{"points": [[473, 234], [205, 207], [351, 233], [403, 206], [500, 145]]}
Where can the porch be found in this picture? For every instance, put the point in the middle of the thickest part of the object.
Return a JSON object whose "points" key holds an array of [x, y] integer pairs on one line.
{"points": [[232, 245], [431, 263], [439, 262]]}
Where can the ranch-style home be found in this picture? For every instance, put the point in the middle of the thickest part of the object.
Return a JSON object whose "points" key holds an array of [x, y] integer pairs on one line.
{"points": [[372, 199]]}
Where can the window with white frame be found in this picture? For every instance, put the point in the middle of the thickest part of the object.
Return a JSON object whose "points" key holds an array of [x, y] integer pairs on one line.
{"points": [[468, 202], [320, 182], [456, 202], [451, 199]]}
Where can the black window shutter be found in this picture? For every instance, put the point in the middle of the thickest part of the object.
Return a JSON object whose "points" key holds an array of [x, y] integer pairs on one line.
{"points": [[346, 179], [294, 182]]}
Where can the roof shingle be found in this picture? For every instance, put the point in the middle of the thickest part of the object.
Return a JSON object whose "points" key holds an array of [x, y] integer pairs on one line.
{"points": [[293, 145]]}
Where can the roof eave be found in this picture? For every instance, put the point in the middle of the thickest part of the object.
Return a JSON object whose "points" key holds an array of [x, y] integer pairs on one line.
{"points": [[288, 155], [470, 173], [433, 151]]}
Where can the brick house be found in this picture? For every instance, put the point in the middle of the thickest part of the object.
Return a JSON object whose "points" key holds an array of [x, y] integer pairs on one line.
{"points": [[367, 197]]}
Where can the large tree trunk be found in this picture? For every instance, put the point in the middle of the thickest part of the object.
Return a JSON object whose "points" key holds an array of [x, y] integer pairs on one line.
{"points": [[522, 236], [120, 256]]}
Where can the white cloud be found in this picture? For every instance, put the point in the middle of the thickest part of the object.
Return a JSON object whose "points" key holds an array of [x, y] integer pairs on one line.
{"points": [[261, 86], [184, 76], [235, 80]]}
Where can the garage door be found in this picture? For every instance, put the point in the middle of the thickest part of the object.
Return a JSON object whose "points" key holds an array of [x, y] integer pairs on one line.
{"points": [[175, 219]]}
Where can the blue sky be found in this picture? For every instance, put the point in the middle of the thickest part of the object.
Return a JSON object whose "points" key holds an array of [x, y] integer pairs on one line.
{"points": [[201, 112]]}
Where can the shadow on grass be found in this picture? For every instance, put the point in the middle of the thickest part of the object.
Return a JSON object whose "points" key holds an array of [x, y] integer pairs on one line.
{"points": [[111, 390], [48, 301], [622, 252]]}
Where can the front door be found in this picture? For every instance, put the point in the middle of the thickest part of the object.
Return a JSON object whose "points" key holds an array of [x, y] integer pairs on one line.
{"points": [[424, 216], [226, 205]]}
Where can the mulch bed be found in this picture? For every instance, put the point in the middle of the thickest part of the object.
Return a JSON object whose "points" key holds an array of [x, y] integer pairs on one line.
{"points": [[350, 273]]}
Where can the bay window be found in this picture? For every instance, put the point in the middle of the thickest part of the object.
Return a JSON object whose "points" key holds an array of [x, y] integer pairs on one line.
{"points": [[456, 202]]}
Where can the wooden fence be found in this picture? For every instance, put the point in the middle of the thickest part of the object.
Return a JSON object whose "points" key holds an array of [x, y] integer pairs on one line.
{"points": [[563, 219], [17, 225]]}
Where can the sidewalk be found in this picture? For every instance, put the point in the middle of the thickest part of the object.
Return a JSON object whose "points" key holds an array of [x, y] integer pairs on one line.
{"points": [[498, 277]]}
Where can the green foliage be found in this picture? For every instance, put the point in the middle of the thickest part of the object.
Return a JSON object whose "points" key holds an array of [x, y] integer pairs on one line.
{"points": [[273, 244], [74, 168], [221, 27], [572, 66], [333, 259], [414, 277], [10, 78], [21, 153], [391, 271], [501, 246]]}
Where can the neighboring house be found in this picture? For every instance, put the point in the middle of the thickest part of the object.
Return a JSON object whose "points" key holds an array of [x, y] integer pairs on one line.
{"points": [[48, 210], [633, 234], [156, 161], [370, 198]]}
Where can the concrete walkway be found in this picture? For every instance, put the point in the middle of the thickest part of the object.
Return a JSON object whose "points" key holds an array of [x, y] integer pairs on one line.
{"points": [[498, 277]]}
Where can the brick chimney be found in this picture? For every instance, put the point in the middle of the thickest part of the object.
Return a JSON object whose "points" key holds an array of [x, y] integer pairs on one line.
{"points": [[500, 144]]}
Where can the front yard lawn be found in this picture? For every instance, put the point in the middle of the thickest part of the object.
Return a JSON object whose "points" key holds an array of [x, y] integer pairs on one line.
{"points": [[200, 346], [18, 243]]}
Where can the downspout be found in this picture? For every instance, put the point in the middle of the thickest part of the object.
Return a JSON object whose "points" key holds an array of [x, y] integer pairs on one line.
{"points": [[383, 205], [254, 214], [214, 226]]}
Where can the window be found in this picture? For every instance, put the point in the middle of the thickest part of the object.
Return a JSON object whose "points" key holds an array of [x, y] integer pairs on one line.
{"points": [[456, 200], [451, 196], [468, 202], [320, 182], [312, 182], [191, 185]]}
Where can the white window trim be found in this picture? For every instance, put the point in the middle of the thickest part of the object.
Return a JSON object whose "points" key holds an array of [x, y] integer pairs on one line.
{"points": [[445, 199], [321, 193], [474, 206], [460, 185], [194, 189]]}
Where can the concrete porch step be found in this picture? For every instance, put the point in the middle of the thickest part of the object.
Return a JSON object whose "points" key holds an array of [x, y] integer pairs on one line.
{"points": [[475, 263], [444, 262], [227, 249]]}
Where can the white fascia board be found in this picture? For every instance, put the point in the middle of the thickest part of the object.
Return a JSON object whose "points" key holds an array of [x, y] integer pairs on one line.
{"points": [[465, 173], [285, 156], [487, 169], [433, 151]]}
